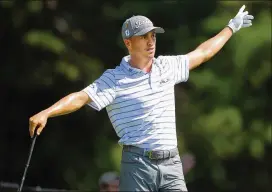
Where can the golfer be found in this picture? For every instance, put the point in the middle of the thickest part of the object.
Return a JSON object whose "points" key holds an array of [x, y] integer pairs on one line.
{"points": [[139, 98]]}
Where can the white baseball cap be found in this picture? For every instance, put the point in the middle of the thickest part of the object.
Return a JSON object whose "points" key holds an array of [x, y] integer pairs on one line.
{"points": [[108, 177]]}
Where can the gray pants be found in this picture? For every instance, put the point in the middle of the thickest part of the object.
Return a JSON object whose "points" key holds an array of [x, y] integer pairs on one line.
{"points": [[140, 173]]}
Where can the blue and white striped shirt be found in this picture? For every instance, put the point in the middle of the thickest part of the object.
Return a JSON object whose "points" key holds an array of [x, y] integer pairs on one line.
{"points": [[141, 105]]}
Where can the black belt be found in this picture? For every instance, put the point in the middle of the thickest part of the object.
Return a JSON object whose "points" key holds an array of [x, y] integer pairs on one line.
{"points": [[155, 155]]}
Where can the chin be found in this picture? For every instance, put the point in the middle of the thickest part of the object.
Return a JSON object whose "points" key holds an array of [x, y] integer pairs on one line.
{"points": [[151, 55]]}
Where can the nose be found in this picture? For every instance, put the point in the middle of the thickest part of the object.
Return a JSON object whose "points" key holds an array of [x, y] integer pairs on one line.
{"points": [[150, 41]]}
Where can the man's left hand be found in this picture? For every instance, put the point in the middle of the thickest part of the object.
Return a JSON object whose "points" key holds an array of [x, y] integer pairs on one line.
{"points": [[241, 20]]}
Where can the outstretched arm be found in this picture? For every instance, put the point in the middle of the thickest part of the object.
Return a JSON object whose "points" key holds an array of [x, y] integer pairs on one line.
{"points": [[209, 48], [66, 105], [99, 94]]}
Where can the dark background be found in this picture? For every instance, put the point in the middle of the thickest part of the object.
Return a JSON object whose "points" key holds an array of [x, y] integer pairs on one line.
{"points": [[52, 48]]}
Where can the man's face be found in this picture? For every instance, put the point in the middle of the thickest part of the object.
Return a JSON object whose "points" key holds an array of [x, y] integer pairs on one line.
{"points": [[142, 46], [110, 187]]}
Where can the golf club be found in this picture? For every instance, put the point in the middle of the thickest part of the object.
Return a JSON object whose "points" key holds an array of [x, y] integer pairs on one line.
{"points": [[28, 161]]}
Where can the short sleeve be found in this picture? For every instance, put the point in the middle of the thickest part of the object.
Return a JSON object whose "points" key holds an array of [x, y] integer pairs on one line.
{"points": [[102, 91], [179, 66]]}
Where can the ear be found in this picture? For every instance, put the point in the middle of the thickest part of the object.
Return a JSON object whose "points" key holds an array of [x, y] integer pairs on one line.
{"points": [[127, 43]]}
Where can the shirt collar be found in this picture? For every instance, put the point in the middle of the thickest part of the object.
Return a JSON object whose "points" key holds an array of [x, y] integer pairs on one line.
{"points": [[129, 69]]}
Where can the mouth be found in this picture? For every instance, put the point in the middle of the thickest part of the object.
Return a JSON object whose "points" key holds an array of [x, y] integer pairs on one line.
{"points": [[151, 49]]}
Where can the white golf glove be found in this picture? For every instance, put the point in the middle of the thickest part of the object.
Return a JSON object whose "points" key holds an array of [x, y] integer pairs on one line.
{"points": [[241, 20]]}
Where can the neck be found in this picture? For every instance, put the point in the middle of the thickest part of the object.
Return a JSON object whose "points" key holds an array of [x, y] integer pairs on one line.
{"points": [[144, 64]]}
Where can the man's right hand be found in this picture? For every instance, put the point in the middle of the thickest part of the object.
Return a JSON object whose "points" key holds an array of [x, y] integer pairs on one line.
{"points": [[37, 123], [67, 104]]}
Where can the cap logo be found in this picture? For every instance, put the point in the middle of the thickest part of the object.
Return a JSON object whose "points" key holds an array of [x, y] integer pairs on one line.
{"points": [[127, 32], [139, 23]]}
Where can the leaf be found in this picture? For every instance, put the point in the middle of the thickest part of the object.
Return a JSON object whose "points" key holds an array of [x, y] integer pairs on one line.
{"points": [[35, 6], [46, 40], [203, 79], [7, 3], [268, 134], [224, 120], [256, 148], [67, 69], [116, 155], [218, 173]]}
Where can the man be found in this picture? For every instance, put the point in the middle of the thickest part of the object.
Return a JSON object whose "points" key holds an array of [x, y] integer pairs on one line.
{"points": [[139, 98], [109, 182]]}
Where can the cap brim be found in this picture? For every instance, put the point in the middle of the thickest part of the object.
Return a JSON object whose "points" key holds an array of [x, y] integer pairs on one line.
{"points": [[108, 177], [146, 30]]}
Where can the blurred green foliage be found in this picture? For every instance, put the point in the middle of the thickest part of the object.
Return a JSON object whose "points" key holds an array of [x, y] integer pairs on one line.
{"points": [[52, 48]]}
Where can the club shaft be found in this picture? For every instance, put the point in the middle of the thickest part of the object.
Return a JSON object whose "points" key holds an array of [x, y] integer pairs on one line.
{"points": [[27, 164]]}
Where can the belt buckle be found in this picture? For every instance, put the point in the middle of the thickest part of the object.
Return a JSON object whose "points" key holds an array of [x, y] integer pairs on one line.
{"points": [[149, 154]]}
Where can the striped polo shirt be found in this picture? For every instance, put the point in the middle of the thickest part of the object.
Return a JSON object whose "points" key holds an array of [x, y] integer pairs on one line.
{"points": [[141, 105]]}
